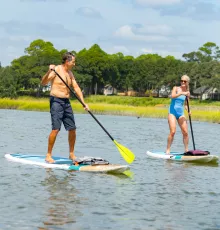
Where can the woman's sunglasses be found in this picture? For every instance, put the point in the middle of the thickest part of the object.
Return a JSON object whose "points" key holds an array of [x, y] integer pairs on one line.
{"points": [[183, 81]]}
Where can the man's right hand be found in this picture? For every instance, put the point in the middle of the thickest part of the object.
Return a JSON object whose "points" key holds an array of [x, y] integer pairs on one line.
{"points": [[47, 78], [52, 67]]}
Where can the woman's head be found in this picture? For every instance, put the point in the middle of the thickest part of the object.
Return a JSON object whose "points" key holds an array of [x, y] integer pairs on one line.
{"points": [[185, 81]]}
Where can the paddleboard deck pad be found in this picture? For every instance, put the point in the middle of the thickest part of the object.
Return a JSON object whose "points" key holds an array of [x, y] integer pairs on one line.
{"points": [[67, 164], [176, 156]]}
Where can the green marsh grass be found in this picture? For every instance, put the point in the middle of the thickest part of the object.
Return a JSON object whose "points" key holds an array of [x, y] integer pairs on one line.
{"points": [[118, 105]]}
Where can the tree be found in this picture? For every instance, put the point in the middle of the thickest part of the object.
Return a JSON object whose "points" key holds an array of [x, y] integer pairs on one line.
{"points": [[92, 62], [125, 68], [84, 81], [211, 51], [30, 68], [7, 83], [206, 53], [95, 68]]}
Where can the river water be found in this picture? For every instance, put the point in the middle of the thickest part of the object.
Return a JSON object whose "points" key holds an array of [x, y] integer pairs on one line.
{"points": [[157, 195]]}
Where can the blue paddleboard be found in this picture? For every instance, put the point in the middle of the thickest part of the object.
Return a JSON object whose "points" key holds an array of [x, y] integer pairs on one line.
{"points": [[177, 156], [64, 163]]}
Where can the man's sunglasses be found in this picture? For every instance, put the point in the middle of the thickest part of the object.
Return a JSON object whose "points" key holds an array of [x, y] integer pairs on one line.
{"points": [[183, 81]]}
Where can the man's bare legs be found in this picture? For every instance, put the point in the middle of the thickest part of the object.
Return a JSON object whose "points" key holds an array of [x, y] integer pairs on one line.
{"points": [[72, 140], [183, 125], [172, 126], [51, 141]]}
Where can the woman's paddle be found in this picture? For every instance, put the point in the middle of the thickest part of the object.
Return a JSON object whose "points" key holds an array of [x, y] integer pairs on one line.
{"points": [[190, 122], [195, 151], [125, 152]]}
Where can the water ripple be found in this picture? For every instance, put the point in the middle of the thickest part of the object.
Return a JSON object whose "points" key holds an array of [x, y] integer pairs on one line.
{"points": [[158, 195]]}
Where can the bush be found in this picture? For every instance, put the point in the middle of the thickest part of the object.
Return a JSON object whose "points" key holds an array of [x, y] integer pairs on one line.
{"points": [[33, 93], [9, 92]]}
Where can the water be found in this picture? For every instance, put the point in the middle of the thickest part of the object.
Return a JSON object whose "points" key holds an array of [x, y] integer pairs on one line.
{"points": [[159, 195]]}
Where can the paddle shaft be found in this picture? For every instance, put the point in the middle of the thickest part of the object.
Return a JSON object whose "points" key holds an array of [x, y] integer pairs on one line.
{"points": [[83, 105], [190, 122]]}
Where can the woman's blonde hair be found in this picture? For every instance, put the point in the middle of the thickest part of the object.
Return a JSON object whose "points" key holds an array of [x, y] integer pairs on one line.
{"points": [[187, 79]]}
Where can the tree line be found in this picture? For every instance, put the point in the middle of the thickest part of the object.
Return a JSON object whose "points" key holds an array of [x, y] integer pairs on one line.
{"points": [[95, 69]]}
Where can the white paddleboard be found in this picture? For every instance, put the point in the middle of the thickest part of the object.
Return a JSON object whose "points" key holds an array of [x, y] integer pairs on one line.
{"points": [[65, 163], [176, 156]]}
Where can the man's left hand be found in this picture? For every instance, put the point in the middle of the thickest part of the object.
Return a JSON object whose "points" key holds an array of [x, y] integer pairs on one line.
{"points": [[86, 107]]}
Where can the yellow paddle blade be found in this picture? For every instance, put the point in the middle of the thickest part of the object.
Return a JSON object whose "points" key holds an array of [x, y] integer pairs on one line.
{"points": [[129, 173], [125, 152]]}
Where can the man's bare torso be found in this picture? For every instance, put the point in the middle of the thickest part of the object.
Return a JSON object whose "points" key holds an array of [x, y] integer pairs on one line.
{"points": [[58, 88]]}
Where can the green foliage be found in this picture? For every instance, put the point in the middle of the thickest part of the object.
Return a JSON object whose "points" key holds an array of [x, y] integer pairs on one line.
{"points": [[208, 52], [131, 101], [29, 69], [7, 83], [83, 80], [101, 105], [95, 69], [212, 82]]}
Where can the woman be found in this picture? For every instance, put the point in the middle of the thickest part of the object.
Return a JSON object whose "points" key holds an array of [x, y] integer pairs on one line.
{"points": [[176, 112]]}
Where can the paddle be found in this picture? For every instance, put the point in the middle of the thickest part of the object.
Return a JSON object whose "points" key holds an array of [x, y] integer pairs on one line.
{"points": [[190, 122], [125, 152], [194, 152]]}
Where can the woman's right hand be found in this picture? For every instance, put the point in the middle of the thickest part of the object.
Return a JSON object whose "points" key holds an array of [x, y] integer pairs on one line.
{"points": [[187, 93]]}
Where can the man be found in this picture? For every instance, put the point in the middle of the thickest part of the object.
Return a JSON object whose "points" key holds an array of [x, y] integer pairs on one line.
{"points": [[60, 107]]}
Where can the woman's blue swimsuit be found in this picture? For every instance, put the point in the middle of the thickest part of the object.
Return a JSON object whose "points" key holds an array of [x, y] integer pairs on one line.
{"points": [[176, 106]]}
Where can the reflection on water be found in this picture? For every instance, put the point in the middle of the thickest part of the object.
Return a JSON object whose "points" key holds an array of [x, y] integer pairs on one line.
{"points": [[63, 202], [157, 194], [208, 165]]}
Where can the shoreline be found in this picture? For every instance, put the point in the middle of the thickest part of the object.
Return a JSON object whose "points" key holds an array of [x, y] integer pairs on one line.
{"points": [[207, 113]]}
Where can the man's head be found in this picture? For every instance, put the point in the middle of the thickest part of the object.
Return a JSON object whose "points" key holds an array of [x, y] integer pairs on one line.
{"points": [[68, 59]]}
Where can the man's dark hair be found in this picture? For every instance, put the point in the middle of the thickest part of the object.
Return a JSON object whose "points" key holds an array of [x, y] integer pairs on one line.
{"points": [[67, 57]]}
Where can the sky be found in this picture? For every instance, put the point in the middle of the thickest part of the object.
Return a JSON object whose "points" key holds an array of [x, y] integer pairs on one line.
{"points": [[133, 27]]}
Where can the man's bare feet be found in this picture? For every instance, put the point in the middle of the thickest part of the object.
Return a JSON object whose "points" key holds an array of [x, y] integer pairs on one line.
{"points": [[72, 157], [49, 159], [167, 152]]}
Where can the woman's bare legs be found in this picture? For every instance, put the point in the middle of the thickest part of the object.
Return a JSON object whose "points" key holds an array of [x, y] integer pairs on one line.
{"points": [[172, 126], [184, 128]]}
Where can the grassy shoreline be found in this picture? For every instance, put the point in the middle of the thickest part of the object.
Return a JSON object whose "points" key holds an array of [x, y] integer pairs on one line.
{"points": [[114, 105]]}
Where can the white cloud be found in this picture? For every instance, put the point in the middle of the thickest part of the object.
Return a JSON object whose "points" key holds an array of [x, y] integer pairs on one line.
{"points": [[20, 38], [88, 12], [11, 48], [199, 10], [121, 49], [153, 29], [161, 52], [129, 26], [127, 32], [156, 2], [144, 50], [40, 1], [30, 29]]}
